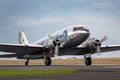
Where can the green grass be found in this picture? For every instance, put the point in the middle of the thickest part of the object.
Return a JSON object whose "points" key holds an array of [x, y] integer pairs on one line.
{"points": [[34, 72]]}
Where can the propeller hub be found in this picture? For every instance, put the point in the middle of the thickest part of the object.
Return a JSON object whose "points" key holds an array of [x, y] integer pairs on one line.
{"points": [[56, 42], [97, 42]]}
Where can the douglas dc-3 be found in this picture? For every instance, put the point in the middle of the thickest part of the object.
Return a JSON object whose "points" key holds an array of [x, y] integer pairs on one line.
{"points": [[73, 40]]}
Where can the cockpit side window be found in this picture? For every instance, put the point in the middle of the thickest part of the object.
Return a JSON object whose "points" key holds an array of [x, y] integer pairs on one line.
{"points": [[80, 28], [77, 28]]}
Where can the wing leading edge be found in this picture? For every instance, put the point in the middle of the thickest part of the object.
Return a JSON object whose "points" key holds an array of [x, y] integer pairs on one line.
{"points": [[104, 48], [80, 50], [108, 48]]}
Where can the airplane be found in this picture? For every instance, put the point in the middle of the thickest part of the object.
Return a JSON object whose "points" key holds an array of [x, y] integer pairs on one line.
{"points": [[72, 40]]}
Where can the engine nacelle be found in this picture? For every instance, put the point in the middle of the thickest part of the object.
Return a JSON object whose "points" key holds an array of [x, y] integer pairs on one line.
{"points": [[92, 44], [51, 45], [56, 42]]}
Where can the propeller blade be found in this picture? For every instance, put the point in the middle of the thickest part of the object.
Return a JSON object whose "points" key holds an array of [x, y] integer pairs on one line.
{"points": [[56, 45], [98, 49], [50, 36], [104, 39], [56, 50]]}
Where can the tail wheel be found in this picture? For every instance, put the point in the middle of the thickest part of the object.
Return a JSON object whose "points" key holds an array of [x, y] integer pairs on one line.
{"points": [[47, 61], [88, 61]]}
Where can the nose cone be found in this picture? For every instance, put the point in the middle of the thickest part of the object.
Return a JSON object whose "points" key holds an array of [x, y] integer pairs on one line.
{"points": [[81, 36], [83, 33]]}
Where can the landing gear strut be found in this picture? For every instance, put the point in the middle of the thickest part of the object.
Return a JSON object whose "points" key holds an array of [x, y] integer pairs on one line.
{"points": [[26, 63], [87, 59], [47, 60]]}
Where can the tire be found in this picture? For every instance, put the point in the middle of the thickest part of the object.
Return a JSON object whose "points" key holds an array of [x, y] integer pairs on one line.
{"points": [[48, 61], [26, 63], [88, 61]]}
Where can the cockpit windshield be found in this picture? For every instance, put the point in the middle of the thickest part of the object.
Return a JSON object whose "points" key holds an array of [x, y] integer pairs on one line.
{"points": [[80, 28]]}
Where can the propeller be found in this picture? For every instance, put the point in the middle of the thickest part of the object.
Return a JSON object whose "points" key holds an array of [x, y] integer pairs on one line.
{"points": [[56, 50], [98, 49], [99, 43], [56, 44], [104, 39]]}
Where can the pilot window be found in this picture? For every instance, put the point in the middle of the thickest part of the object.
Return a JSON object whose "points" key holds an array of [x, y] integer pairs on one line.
{"points": [[80, 28], [77, 28]]}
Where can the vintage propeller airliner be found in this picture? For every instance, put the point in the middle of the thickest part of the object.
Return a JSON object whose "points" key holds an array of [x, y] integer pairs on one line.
{"points": [[73, 40]]}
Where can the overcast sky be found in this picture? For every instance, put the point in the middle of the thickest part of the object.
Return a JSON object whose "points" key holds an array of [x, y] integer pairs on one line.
{"points": [[40, 17]]}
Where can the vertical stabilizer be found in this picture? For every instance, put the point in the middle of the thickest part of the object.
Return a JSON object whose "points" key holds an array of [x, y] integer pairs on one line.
{"points": [[22, 37]]}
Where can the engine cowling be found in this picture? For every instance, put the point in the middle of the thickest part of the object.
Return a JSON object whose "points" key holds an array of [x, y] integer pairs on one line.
{"points": [[93, 44], [53, 46], [56, 42]]}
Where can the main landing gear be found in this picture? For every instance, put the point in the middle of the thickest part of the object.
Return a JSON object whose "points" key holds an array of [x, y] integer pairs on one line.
{"points": [[87, 59], [26, 63], [47, 60]]}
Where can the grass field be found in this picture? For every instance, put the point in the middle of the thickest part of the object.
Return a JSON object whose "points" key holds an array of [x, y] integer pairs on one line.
{"points": [[96, 61], [34, 72]]}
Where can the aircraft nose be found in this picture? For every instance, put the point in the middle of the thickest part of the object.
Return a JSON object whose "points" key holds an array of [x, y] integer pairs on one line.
{"points": [[86, 34], [81, 37]]}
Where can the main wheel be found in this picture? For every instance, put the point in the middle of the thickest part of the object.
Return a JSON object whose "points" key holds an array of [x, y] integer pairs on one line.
{"points": [[47, 61], [88, 61], [26, 63]]}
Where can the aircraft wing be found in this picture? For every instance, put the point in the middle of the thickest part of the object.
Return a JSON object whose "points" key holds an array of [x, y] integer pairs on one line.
{"points": [[20, 48], [9, 55], [110, 48], [17, 49], [104, 48], [80, 50]]}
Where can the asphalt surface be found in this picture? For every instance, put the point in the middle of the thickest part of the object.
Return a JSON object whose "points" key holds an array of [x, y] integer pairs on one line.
{"points": [[95, 72]]}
